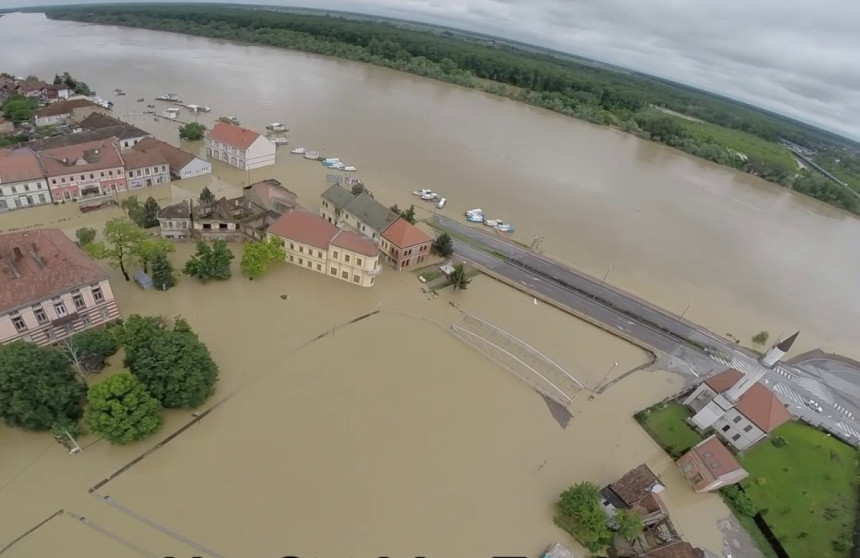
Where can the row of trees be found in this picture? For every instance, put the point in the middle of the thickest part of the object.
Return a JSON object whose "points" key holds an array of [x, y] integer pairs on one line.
{"points": [[43, 388], [548, 79], [579, 513]]}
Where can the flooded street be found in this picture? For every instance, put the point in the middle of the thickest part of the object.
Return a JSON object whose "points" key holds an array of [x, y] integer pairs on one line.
{"points": [[390, 436]]}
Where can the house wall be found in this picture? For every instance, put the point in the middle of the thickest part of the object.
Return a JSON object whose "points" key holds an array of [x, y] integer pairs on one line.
{"points": [[53, 120], [197, 167], [346, 265], [737, 431], [68, 187], [700, 397], [217, 230], [148, 176], [80, 113], [261, 153], [128, 143], [400, 258], [329, 213], [37, 326], [175, 229], [26, 193]]}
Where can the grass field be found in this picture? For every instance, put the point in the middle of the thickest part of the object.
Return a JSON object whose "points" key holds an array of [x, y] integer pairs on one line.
{"points": [[752, 146], [806, 489]]}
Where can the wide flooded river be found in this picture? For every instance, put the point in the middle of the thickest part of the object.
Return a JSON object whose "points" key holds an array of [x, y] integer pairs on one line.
{"points": [[390, 435]]}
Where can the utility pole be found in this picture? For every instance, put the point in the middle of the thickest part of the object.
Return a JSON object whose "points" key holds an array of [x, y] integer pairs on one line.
{"points": [[75, 447], [687, 308], [608, 271]]}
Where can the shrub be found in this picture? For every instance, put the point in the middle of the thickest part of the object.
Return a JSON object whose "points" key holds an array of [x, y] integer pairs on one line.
{"points": [[738, 501]]}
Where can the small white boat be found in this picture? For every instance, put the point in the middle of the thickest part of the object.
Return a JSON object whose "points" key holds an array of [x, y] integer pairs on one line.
{"points": [[312, 155], [299, 151], [491, 222], [442, 203], [277, 127], [170, 113], [505, 227], [349, 168], [430, 196], [331, 160], [475, 218], [337, 166], [421, 192], [197, 108], [280, 141]]}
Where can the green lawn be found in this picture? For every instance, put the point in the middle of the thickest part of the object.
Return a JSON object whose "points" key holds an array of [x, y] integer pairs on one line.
{"points": [[668, 426], [807, 487]]}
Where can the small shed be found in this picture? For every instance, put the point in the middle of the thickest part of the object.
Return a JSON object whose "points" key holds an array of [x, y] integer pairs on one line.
{"points": [[143, 280]]}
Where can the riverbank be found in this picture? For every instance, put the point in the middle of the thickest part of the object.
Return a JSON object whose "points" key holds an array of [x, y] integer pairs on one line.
{"points": [[595, 95]]}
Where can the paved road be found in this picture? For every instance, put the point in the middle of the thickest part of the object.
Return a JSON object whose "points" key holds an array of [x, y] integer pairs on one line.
{"points": [[654, 327]]}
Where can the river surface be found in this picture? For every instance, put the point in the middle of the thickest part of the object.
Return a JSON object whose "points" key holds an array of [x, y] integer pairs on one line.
{"points": [[390, 435]]}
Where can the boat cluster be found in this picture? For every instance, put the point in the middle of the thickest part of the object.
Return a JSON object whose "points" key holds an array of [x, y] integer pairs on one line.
{"points": [[477, 216], [330, 162], [430, 195]]}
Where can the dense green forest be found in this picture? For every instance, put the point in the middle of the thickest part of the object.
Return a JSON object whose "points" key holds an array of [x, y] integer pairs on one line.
{"points": [[711, 127]]}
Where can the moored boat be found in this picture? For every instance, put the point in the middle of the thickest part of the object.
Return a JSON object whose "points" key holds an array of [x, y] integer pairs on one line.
{"points": [[421, 192], [312, 155], [349, 168], [474, 212], [475, 218], [277, 127], [142, 99], [430, 196], [299, 151], [279, 141], [491, 222], [505, 227]]}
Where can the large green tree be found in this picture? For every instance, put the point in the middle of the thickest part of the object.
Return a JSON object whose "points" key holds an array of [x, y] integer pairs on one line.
{"points": [[150, 213], [628, 524], [121, 410], [150, 248], [443, 245], [579, 513], [258, 256], [97, 341], [193, 131], [85, 235], [211, 261], [206, 195], [122, 241], [18, 108], [172, 363], [459, 278], [38, 387], [163, 274]]}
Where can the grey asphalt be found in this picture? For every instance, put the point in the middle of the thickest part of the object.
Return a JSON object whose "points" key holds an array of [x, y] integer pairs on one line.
{"points": [[656, 328]]}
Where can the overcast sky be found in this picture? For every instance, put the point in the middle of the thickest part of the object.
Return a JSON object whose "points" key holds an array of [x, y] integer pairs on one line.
{"points": [[797, 58]]}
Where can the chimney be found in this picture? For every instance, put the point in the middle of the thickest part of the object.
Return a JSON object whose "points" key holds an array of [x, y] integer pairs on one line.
{"points": [[34, 248], [18, 253]]}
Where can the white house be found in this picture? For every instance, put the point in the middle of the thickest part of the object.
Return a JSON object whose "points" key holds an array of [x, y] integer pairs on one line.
{"points": [[63, 112], [181, 163], [145, 168], [22, 180], [239, 147]]}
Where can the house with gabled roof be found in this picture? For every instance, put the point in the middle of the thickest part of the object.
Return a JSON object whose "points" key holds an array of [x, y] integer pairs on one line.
{"points": [[403, 244], [84, 170], [709, 465], [239, 147], [22, 180], [180, 163]]}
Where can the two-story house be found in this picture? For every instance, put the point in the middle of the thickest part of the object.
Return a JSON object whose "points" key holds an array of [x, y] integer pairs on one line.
{"points": [[403, 244], [145, 168], [49, 288], [181, 164], [126, 135], [239, 147], [59, 92], [313, 243], [175, 221], [333, 201], [22, 180], [84, 170], [63, 112]]}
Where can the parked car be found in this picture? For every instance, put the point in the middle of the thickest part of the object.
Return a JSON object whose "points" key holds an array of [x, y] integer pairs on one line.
{"points": [[814, 406]]}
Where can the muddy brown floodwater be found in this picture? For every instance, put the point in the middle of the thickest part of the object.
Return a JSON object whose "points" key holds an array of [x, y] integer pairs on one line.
{"points": [[390, 435]]}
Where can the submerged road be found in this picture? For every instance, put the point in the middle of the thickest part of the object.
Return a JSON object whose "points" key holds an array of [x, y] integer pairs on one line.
{"points": [[681, 342]]}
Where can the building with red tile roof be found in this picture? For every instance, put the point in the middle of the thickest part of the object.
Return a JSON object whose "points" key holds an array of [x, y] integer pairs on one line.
{"points": [[311, 242], [49, 288], [84, 170], [62, 112], [181, 163], [22, 180], [709, 465], [239, 147], [145, 168], [404, 244]]}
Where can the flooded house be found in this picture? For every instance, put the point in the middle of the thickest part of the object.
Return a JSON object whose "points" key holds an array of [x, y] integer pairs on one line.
{"points": [[181, 164], [84, 170], [127, 136], [239, 147], [145, 168], [49, 288], [247, 217], [22, 180], [174, 221], [709, 465], [63, 112]]}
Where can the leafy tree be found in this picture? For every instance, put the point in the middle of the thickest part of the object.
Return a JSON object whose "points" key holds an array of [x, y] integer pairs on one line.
{"points": [[761, 337], [357, 189], [628, 524], [150, 213], [173, 363], [38, 387], [135, 333], [121, 410], [206, 195], [738, 501], [149, 248], [258, 256], [18, 108], [459, 278], [579, 514], [193, 131], [395, 209], [85, 235], [443, 245], [211, 261], [134, 210], [163, 274], [122, 240], [96, 341], [79, 87], [409, 214]]}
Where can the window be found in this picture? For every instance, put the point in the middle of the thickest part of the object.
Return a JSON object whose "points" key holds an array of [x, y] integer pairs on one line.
{"points": [[333, 271], [92, 176], [736, 437], [60, 308], [79, 302], [49, 334], [355, 278], [14, 190], [358, 262], [736, 419], [310, 264], [346, 258], [747, 428], [85, 320], [319, 254], [319, 267], [707, 454], [714, 464], [53, 181], [19, 324], [104, 313], [344, 275], [301, 261], [69, 329], [26, 187], [63, 179], [102, 174], [110, 173], [292, 246], [291, 258], [301, 249], [371, 280], [83, 177], [686, 467], [41, 317], [726, 428], [334, 254], [97, 294]]}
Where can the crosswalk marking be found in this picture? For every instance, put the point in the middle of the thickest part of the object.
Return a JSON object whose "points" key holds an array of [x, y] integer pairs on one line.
{"points": [[788, 393], [783, 372], [848, 430], [816, 388], [843, 410]]}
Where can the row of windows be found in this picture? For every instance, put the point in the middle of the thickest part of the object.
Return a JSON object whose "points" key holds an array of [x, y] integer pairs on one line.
{"points": [[84, 177], [334, 255], [24, 201], [343, 274], [146, 171], [51, 333], [14, 189], [59, 308]]}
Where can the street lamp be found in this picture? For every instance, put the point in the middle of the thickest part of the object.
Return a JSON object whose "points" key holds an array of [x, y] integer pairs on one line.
{"points": [[608, 271], [608, 372], [685, 309]]}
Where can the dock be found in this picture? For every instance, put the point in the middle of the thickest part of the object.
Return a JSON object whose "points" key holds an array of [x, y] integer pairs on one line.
{"points": [[557, 551]]}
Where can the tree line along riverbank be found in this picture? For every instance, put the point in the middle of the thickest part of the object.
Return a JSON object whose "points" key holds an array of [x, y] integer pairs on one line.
{"points": [[704, 125]]}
